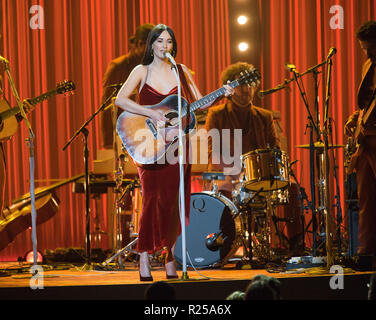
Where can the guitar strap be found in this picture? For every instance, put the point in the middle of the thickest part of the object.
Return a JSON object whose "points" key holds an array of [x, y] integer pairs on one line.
{"points": [[186, 93]]}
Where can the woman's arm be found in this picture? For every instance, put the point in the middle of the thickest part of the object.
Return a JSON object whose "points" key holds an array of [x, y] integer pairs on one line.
{"points": [[123, 101], [196, 91]]}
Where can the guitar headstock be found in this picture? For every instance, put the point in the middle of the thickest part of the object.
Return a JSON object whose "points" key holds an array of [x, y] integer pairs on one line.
{"points": [[65, 86], [251, 77]]}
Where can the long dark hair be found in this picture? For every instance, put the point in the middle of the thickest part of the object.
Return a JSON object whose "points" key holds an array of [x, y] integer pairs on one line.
{"points": [[153, 35], [367, 31]]}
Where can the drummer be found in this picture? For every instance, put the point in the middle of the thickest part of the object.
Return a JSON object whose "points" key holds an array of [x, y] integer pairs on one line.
{"points": [[238, 112]]}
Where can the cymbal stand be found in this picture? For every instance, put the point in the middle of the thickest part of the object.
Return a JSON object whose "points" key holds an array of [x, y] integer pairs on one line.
{"points": [[118, 204], [302, 196], [338, 195]]}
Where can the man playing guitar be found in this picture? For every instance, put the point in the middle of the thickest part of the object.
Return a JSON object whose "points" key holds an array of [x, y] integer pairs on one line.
{"points": [[361, 127]]}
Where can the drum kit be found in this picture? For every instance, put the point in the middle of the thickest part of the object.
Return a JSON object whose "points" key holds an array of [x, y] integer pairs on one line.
{"points": [[220, 227], [242, 227]]}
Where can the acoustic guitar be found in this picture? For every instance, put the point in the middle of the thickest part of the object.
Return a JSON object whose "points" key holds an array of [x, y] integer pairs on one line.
{"points": [[10, 117], [147, 143]]}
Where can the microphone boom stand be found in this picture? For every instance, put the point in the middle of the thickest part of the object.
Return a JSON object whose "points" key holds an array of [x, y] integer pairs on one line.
{"points": [[313, 128], [329, 249], [85, 132], [30, 143]]}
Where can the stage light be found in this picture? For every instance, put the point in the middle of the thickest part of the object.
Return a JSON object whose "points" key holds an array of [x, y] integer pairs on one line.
{"points": [[29, 257], [242, 19], [243, 46]]}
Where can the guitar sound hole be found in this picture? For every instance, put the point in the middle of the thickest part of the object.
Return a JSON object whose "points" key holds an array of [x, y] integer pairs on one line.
{"points": [[171, 115]]}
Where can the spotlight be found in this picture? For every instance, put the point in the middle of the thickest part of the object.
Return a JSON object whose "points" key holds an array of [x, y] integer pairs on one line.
{"points": [[242, 19], [29, 257], [243, 46]]}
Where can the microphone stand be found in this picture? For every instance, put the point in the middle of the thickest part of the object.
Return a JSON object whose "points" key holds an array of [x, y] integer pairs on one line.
{"points": [[30, 144], [287, 81], [85, 133], [313, 128], [330, 259], [181, 171]]}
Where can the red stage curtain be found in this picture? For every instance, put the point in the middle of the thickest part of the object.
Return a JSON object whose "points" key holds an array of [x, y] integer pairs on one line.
{"points": [[301, 33], [79, 39]]}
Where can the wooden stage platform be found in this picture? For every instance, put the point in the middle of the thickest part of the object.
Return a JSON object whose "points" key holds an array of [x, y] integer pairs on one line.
{"points": [[69, 282]]}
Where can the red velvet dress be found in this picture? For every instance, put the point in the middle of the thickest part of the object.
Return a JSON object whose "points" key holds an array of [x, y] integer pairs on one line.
{"points": [[160, 218]]}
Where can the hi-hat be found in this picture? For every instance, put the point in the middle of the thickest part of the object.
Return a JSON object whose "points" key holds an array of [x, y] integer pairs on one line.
{"points": [[320, 145]]}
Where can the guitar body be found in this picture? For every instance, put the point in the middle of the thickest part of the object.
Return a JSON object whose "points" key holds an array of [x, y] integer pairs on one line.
{"points": [[9, 126], [145, 142], [365, 115]]}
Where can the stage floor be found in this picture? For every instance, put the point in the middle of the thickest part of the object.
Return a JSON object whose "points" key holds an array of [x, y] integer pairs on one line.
{"points": [[70, 282]]}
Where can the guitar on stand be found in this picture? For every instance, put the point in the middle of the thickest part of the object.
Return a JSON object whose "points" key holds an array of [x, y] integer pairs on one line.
{"points": [[10, 117]]}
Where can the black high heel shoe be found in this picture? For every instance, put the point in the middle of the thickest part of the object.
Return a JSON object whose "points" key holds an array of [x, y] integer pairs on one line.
{"points": [[173, 276], [148, 278], [145, 278]]}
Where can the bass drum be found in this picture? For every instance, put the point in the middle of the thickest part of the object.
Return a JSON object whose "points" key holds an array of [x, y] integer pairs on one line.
{"points": [[210, 213]]}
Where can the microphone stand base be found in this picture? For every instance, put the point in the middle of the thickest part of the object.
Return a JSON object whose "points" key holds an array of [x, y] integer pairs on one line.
{"points": [[185, 276]]}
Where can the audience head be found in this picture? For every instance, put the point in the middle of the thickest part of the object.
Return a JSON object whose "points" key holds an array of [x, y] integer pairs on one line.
{"points": [[236, 295], [263, 288], [372, 288], [160, 290]]}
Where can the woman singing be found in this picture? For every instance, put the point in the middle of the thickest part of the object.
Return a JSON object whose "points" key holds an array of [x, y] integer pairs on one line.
{"points": [[155, 80]]}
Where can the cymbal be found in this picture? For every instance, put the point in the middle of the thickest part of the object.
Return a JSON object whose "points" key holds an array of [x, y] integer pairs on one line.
{"points": [[320, 145]]}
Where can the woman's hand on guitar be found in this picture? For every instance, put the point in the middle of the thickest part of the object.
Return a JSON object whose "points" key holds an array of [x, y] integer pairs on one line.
{"points": [[159, 118]]}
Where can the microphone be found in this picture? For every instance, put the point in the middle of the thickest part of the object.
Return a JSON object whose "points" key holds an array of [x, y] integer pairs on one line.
{"points": [[214, 241], [263, 93], [290, 67], [332, 51], [4, 60], [170, 58], [117, 85]]}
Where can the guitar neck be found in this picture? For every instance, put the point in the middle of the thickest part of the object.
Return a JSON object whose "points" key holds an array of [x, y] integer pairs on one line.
{"points": [[16, 110], [212, 96]]}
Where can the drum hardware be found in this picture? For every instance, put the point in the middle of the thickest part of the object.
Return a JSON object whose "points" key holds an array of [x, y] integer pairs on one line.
{"points": [[213, 176], [214, 241], [305, 204], [319, 209], [119, 201]]}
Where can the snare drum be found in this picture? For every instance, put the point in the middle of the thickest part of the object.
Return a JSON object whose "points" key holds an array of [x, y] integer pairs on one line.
{"points": [[265, 168]]}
